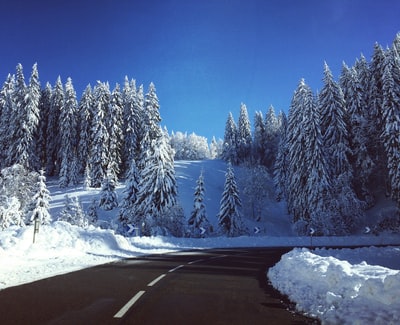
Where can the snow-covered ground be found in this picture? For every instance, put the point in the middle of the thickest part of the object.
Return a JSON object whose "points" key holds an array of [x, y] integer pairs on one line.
{"points": [[338, 286]]}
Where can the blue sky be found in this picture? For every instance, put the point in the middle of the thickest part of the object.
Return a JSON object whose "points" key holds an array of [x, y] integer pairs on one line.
{"points": [[205, 57]]}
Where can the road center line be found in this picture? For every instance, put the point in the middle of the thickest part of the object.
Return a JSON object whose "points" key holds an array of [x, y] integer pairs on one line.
{"points": [[197, 261], [176, 268], [129, 304], [156, 280]]}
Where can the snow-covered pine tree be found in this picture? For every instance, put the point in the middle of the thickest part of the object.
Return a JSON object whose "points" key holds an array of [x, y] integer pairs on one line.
{"points": [[151, 119], [108, 196], [25, 120], [229, 216], [85, 108], [73, 212], [244, 139], [157, 186], [271, 139], [6, 106], [53, 141], [69, 138], [215, 148], [199, 226], [99, 154], [44, 112], [114, 126], [281, 163], [391, 121], [317, 188], [358, 123], [345, 207], [131, 119], [259, 137], [130, 195], [39, 207], [296, 142], [375, 101], [229, 150]]}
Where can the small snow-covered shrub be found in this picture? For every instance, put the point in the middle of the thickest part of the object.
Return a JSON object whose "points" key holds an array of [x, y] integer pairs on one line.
{"points": [[73, 212]]}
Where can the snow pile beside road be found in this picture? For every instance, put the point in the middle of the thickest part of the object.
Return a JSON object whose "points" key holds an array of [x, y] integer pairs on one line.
{"points": [[342, 286]]}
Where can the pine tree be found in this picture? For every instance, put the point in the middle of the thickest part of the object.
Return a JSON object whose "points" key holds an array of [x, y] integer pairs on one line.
{"points": [[69, 138], [198, 223], [53, 141], [259, 137], [271, 139], [229, 216], [25, 119], [391, 122], [99, 154], [358, 125], [130, 195], [131, 117], [375, 101], [229, 150], [114, 127], [281, 163], [345, 207], [244, 139], [296, 142], [44, 112], [39, 207], [7, 107], [157, 185], [108, 196], [73, 212], [85, 108]]}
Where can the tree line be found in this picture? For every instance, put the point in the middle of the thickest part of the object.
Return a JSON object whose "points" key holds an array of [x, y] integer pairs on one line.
{"points": [[336, 150]]}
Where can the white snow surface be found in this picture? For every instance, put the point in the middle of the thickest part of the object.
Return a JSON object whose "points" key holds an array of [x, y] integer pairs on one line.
{"points": [[339, 286]]}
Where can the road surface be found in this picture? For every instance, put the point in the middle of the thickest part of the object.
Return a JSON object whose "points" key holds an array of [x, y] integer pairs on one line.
{"points": [[216, 286]]}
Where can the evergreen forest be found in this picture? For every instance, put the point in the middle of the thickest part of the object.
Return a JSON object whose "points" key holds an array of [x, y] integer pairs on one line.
{"points": [[329, 157]]}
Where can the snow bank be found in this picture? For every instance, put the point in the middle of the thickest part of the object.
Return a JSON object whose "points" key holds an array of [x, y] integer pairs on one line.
{"points": [[61, 248], [340, 286]]}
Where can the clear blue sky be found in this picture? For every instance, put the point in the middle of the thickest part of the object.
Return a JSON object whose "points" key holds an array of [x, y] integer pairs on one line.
{"points": [[204, 56]]}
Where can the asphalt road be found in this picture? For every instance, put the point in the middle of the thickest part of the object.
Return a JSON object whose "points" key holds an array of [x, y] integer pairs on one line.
{"points": [[218, 286]]}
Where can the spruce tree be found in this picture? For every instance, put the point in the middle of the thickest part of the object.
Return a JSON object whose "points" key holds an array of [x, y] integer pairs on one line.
{"points": [[271, 139], [244, 138], [199, 225], [114, 126], [130, 195], [345, 208], [281, 162], [230, 145], [108, 196], [360, 159], [44, 112], [39, 207], [229, 216], [259, 137], [25, 120], [7, 110], [157, 185], [68, 138], [85, 113], [53, 141], [99, 151], [391, 122]]}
